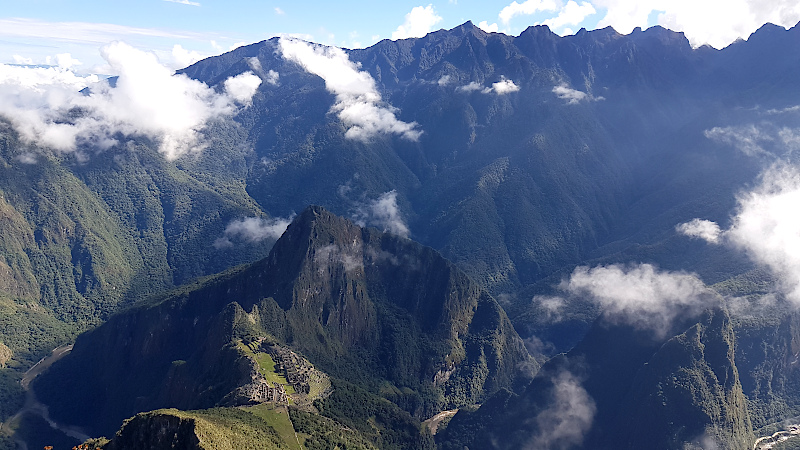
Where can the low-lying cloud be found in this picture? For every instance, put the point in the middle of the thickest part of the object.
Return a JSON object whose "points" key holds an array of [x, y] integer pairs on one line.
{"points": [[502, 87], [572, 96], [700, 228], [358, 103], [766, 227], [567, 419], [764, 139], [639, 295], [46, 107], [250, 230], [383, 213]]}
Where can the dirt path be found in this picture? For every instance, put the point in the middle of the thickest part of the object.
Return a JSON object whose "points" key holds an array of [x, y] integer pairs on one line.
{"points": [[768, 442], [33, 406], [433, 422]]}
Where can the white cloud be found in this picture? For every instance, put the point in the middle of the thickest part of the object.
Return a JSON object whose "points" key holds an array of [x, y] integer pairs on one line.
{"points": [[767, 226], [243, 87], [568, 417], [444, 80], [272, 77], [640, 295], [418, 23], [572, 96], [702, 229], [358, 102], [504, 86], [22, 60], [714, 22], [66, 61], [184, 2], [86, 32], [748, 139], [184, 58], [571, 14], [526, 8], [148, 100], [279, 11], [484, 25], [472, 86], [250, 230], [383, 213]]}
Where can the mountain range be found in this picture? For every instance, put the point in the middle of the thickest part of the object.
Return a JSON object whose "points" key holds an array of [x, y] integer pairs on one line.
{"points": [[525, 168]]}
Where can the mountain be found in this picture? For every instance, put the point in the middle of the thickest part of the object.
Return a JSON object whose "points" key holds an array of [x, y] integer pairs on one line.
{"points": [[368, 308], [633, 390], [517, 158]]}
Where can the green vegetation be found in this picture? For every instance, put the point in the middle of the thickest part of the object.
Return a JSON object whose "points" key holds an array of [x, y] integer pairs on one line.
{"points": [[277, 417], [210, 429]]}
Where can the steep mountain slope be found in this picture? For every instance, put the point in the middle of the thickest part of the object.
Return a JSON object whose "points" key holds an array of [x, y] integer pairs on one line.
{"points": [[366, 307], [622, 387]]}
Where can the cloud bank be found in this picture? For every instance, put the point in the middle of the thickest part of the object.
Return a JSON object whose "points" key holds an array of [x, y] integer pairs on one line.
{"points": [[714, 22], [358, 103], [46, 107], [639, 295], [250, 230], [766, 227], [418, 23]]}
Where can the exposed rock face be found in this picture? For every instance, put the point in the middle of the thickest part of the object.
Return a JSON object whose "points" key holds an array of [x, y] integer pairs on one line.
{"points": [[359, 304]]}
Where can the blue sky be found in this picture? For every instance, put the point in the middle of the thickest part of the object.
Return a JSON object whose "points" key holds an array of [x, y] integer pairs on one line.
{"points": [[33, 30]]}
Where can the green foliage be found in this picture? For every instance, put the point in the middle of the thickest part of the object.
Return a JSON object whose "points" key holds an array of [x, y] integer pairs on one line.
{"points": [[12, 397], [322, 433], [377, 419]]}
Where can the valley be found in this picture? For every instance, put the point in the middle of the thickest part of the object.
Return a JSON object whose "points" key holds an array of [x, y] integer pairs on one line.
{"points": [[462, 240]]}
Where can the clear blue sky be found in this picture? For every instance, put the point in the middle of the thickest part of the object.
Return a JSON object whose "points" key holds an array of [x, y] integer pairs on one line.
{"points": [[32, 30]]}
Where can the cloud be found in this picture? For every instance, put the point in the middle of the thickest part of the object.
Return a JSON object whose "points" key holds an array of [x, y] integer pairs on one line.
{"points": [[243, 87], [350, 258], [82, 33], [250, 230], [484, 25], [571, 14], [568, 417], [358, 103], [572, 96], [714, 22], [764, 139], [444, 80], [640, 295], [46, 107], [419, 22], [702, 229], [748, 139], [66, 61], [279, 11], [383, 213], [472, 86], [766, 226], [183, 2], [22, 60], [502, 87], [525, 8], [184, 58]]}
